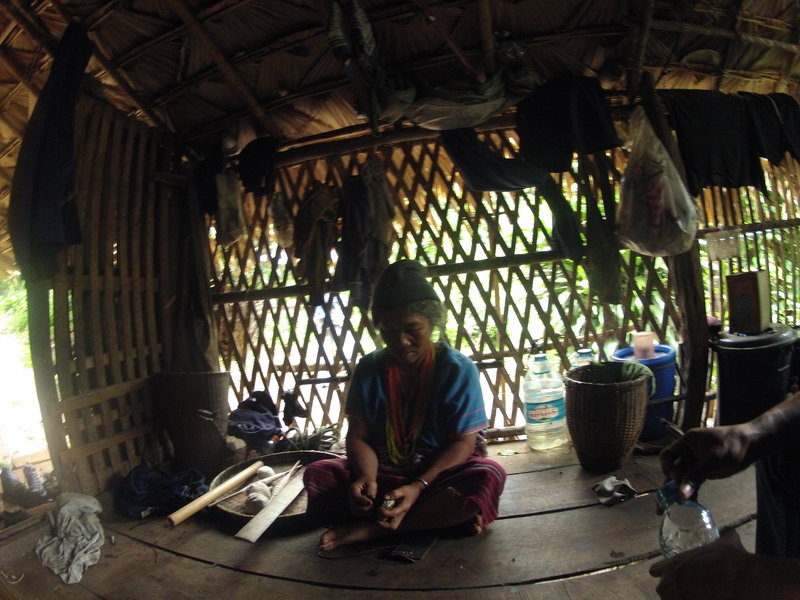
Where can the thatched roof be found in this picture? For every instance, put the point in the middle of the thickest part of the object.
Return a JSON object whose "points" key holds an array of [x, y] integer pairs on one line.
{"points": [[247, 68]]}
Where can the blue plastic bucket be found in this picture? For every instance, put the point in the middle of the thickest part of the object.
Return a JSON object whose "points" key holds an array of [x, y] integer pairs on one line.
{"points": [[663, 367]]}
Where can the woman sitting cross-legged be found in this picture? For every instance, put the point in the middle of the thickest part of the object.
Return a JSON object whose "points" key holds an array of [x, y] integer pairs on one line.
{"points": [[415, 459]]}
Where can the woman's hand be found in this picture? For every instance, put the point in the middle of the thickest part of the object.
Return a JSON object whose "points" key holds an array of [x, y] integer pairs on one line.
{"points": [[401, 500], [361, 495]]}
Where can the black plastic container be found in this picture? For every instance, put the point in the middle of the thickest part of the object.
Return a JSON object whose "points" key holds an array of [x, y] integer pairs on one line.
{"points": [[753, 372]]}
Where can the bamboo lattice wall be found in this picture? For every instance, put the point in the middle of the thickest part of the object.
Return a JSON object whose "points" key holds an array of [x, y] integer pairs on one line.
{"points": [[506, 289], [105, 307]]}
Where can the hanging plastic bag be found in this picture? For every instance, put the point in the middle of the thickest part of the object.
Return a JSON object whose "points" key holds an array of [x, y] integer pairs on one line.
{"points": [[656, 215]]}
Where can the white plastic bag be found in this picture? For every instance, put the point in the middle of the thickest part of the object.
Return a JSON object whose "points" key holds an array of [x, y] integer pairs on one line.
{"points": [[656, 215]]}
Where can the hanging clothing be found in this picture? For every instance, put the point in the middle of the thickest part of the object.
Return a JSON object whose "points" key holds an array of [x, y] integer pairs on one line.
{"points": [[367, 211], [229, 220], [281, 220], [42, 215], [380, 96], [564, 116], [314, 237], [715, 139], [257, 166], [485, 170], [775, 125]]}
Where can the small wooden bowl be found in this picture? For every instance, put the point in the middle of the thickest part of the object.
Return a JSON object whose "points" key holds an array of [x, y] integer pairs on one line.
{"points": [[280, 461]]}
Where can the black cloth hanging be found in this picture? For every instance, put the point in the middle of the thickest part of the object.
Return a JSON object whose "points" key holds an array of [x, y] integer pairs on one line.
{"points": [[715, 139], [485, 170], [366, 209], [42, 215], [257, 166], [564, 116], [775, 125]]}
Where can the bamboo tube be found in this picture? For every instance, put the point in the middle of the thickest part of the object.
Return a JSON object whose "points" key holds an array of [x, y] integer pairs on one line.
{"points": [[200, 503]]}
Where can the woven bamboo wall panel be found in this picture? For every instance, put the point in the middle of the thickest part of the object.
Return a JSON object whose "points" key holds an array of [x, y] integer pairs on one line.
{"points": [[105, 330], [507, 289], [763, 232]]}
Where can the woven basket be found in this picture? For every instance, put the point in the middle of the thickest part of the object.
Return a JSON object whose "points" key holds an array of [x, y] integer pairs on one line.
{"points": [[604, 419]]}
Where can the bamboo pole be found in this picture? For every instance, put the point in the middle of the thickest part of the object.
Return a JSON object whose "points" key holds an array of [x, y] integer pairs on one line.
{"points": [[685, 268], [487, 36], [228, 71], [198, 504]]}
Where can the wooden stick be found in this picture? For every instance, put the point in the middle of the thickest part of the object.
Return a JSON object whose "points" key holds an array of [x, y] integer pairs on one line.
{"points": [[200, 503], [267, 480], [267, 515]]}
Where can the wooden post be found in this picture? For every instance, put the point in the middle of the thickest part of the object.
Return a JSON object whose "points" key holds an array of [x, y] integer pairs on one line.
{"points": [[38, 293], [487, 36], [687, 278]]}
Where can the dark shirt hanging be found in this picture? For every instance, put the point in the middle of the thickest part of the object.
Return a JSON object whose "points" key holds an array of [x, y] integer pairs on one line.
{"points": [[42, 216], [715, 139], [564, 116]]}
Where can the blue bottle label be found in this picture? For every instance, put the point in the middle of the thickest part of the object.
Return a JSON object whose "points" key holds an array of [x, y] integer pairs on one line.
{"points": [[537, 413]]}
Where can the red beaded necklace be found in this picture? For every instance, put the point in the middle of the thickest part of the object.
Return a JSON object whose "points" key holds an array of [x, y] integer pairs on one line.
{"points": [[403, 432]]}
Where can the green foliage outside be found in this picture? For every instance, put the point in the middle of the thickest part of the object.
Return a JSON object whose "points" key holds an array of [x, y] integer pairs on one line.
{"points": [[14, 313], [13, 306]]}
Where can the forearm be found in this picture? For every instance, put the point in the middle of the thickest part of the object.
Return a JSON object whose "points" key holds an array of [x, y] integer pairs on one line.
{"points": [[450, 456], [361, 458], [776, 430]]}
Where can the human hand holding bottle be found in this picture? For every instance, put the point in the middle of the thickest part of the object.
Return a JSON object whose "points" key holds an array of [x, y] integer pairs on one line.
{"points": [[707, 453]]}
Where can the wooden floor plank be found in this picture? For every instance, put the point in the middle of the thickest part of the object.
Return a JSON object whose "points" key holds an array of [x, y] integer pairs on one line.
{"points": [[553, 540], [131, 570], [514, 551], [570, 486], [24, 577]]}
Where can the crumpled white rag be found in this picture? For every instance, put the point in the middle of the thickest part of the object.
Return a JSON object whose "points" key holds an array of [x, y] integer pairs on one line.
{"points": [[76, 537]]}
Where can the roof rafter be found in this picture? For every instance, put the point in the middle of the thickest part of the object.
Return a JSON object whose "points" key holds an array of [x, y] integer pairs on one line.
{"points": [[33, 26], [225, 67]]}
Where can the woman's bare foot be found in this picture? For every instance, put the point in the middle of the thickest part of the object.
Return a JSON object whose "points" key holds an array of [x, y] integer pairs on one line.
{"points": [[476, 526], [350, 534]]}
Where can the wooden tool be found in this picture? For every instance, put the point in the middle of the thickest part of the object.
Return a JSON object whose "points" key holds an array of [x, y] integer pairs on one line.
{"points": [[200, 503], [270, 479], [277, 504]]}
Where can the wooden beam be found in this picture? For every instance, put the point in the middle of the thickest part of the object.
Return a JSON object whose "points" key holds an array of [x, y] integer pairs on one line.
{"points": [[225, 67], [745, 38], [487, 36], [641, 47], [686, 272], [140, 50], [18, 71], [433, 271], [38, 292]]}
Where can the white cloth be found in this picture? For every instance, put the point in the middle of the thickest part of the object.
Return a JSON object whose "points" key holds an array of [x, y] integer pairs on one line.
{"points": [[76, 536]]}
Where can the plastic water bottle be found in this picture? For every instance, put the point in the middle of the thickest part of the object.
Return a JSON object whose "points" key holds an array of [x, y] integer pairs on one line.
{"points": [[582, 356], [543, 393], [685, 524]]}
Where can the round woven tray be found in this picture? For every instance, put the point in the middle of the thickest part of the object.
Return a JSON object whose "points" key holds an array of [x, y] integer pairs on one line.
{"points": [[280, 461], [604, 419]]}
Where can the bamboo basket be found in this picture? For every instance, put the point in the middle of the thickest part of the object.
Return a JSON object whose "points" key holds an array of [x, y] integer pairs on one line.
{"points": [[604, 419]]}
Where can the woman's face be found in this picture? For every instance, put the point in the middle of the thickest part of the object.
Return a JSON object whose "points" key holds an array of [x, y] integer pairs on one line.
{"points": [[407, 335]]}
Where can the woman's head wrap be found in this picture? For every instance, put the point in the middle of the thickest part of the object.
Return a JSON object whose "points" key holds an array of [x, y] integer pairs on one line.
{"points": [[400, 284]]}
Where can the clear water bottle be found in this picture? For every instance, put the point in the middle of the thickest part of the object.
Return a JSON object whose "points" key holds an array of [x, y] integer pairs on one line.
{"points": [[685, 524], [582, 356], [543, 393]]}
